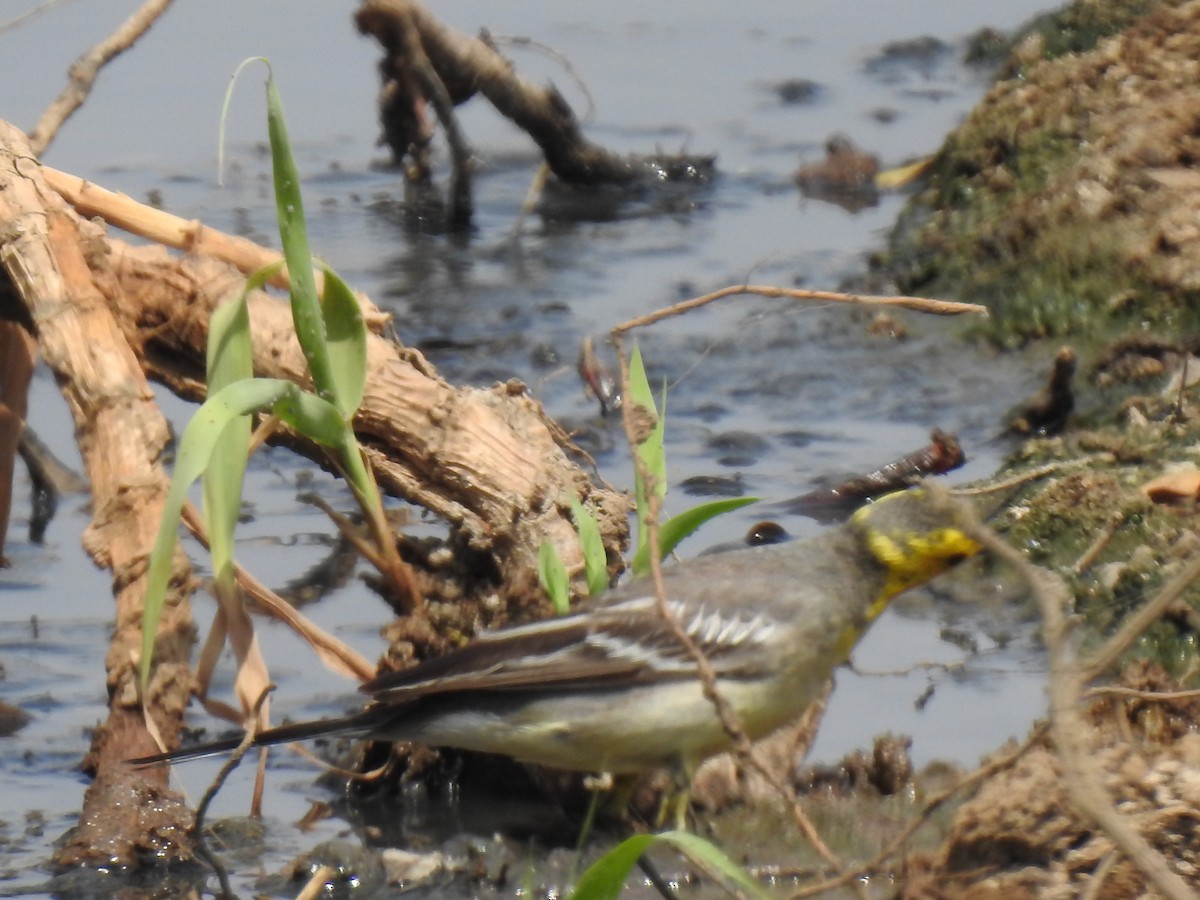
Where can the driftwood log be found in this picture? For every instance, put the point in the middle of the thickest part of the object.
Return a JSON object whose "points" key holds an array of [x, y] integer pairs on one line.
{"points": [[43, 248], [104, 314], [485, 460], [426, 64], [413, 38]]}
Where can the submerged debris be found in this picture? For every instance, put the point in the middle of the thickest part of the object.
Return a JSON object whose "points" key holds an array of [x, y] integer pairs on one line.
{"points": [[846, 176], [598, 378], [944, 454], [1047, 411]]}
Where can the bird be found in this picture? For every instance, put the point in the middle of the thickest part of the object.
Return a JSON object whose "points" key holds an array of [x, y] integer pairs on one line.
{"points": [[610, 688]]}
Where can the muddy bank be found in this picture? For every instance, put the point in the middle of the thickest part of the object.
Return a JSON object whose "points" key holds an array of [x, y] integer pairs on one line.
{"points": [[1020, 837], [1067, 203], [1108, 506], [1067, 200]]}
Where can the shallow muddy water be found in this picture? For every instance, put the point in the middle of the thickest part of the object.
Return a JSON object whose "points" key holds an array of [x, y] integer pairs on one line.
{"points": [[771, 396]]}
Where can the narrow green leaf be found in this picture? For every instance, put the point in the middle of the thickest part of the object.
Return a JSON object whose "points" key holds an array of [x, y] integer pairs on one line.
{"points": [[347, 334], [195, 449], [553, 576], [225, 112], [713, 860], [230, 359], [293, 234], [595, 558], [676, 528], [318, 419], [604, 879]]}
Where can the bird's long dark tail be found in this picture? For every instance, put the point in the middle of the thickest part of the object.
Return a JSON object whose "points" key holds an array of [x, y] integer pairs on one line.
{"points": [[358, 723]]}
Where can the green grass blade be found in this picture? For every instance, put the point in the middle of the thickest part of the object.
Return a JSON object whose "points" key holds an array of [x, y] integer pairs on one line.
{"points": [[316, 418], [553, 576], [605, 878], [293, 234], [225, 112], [595, 558], [676, 528], [192, 457], [347, 335], [230, 359], [705, 854]]}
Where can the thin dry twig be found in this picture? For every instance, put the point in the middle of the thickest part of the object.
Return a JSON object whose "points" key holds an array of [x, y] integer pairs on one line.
{"points": [[1113, 690], [1100, 875], [919, 304], [743, 747], [1115, 521], [18, 20], [551, 53], [1033, 474], [189, 235], [230, 764], [1081, 779], [84, 71], [333, 652]]}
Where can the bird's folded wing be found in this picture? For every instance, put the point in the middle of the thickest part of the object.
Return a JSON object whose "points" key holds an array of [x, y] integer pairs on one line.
{"points": [[623, 643]]}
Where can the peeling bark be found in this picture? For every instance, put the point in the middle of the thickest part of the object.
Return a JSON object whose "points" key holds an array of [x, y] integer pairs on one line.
{"points": [[121, 436], [17, 354], [487, 461]]}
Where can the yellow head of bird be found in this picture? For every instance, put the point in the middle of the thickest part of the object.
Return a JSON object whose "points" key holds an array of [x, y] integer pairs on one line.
{"points": [[916, 535]]}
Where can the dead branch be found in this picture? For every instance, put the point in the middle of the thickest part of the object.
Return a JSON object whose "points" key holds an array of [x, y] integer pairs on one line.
{"points": [[122, 434], [190, 236], [484, 460], [467, 65], [416, 63], [84, 71], [18, 20], [918, 304]]}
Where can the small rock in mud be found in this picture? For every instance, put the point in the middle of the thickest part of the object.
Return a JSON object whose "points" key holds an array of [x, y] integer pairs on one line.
{"points": [[797, 91], [12, 719], [845, 177]]}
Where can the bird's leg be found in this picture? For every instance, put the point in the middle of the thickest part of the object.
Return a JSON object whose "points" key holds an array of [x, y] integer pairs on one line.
{"points": [[677, 799]]}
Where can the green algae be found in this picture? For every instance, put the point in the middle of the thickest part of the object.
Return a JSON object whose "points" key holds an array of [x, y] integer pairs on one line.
{"points": [[1092, 523]]}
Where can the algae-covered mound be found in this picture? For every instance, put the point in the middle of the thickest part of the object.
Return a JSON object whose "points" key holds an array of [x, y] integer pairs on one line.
{"points": [[1070, 198]]}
